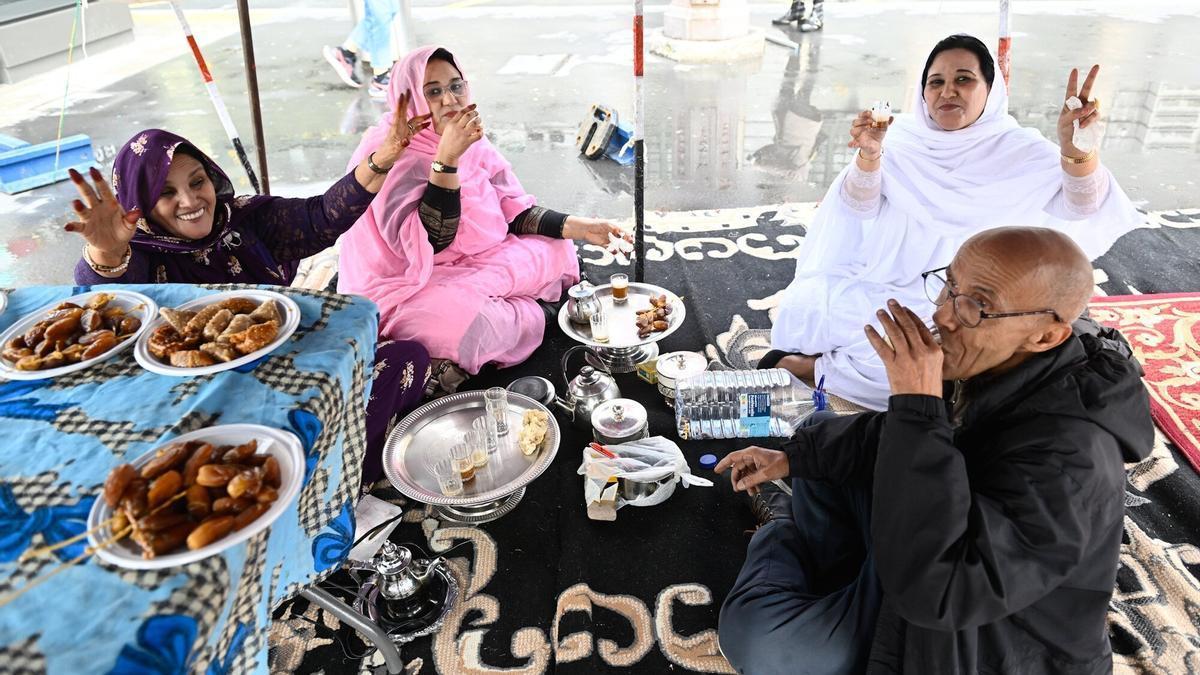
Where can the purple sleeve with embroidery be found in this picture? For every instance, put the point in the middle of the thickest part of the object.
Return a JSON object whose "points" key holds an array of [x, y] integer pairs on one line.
{"points": [[138, 272], [294, 229]]}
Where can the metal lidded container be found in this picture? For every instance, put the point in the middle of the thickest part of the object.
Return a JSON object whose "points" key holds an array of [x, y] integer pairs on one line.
{"points": [[619, 420], [537, 388], [677, 366]]}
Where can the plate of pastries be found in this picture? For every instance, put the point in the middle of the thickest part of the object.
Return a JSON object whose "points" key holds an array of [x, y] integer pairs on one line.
{"points": [[217, 332]]}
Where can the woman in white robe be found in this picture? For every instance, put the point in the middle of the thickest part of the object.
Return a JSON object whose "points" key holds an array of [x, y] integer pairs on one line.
{"points": [[916, 190]]}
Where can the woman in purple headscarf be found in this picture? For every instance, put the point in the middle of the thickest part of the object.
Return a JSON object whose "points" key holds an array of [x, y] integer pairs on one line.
{"points": [[174, 218]]}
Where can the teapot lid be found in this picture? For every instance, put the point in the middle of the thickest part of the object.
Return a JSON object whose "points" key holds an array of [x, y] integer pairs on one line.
{"points": [[392, 558], [589, 383], [619, 418], [582, 289]]}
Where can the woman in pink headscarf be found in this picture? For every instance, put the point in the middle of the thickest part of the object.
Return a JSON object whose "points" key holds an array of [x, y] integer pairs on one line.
{"points": [[453, 250]]}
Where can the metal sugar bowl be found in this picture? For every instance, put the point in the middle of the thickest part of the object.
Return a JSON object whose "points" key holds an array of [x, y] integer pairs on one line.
{"points": [[620, 420]]}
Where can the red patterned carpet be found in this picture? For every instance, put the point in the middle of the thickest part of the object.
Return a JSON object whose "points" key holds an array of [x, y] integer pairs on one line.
{"points": [[1164, 331]]}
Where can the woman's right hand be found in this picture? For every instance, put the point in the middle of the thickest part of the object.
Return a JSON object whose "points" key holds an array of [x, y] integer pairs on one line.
{"points": [[459, 134], [102, 222], [867, 137]]}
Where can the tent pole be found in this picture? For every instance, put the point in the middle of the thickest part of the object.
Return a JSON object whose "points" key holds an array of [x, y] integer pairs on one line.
{"points": [[252, 87]]}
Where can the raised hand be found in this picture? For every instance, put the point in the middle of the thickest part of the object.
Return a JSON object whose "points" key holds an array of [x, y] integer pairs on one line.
{"points": [[106, 226], [1088, 115], [464, 128], [911, 355], [866, 136], [401, 132]]}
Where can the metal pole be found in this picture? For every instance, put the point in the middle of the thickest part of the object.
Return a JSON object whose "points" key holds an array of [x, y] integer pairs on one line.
{"points": [[366, 627], [639, 150], [215, 95], [1004, 53], [252, 86]]}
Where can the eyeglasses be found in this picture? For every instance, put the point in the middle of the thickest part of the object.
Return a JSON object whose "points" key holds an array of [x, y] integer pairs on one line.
{"points": [[456, 87], [967, 310]]}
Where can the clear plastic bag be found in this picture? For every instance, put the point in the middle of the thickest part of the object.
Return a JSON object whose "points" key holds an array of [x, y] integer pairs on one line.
{"points": [[646, 461]]}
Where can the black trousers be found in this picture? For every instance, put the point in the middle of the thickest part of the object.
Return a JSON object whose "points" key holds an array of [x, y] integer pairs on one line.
{"points": [[807, 598]]}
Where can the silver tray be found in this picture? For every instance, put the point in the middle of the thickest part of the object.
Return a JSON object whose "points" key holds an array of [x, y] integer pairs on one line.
{"points": [[622, 318], [430, 430]]}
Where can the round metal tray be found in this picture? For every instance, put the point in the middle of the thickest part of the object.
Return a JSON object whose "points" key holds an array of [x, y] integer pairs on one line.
{"points": [[429, 431], [622, 318]]}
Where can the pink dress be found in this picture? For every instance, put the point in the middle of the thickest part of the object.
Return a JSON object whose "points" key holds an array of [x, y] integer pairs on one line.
{"points": [[474, 302]]}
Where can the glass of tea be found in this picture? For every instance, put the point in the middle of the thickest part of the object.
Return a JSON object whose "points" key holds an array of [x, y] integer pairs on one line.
{"points": [[620, 288], [448, 477], [460, 454], [599, 321]]}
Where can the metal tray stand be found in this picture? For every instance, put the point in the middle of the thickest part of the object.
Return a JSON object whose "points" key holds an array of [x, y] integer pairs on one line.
{"points": [[624, 349], [427, 433]]}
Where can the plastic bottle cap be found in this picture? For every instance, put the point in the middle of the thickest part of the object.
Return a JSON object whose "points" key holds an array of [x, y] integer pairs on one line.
{"points": [[708, 461]]}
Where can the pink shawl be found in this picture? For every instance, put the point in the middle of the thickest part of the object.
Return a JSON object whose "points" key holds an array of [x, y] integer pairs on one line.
{"points": [[387, 255]]}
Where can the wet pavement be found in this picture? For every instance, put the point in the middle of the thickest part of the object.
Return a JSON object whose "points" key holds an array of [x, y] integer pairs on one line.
{"points": [[767, 131]]}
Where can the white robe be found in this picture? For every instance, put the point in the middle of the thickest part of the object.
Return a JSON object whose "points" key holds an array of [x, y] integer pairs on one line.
{"points": [[939, 188]]}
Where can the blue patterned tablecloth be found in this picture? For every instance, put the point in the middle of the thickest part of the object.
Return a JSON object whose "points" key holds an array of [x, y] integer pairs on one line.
{"points": [[59, 438]]}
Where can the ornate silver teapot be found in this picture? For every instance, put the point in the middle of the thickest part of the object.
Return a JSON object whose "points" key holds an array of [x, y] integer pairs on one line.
{"points": [[582, 302]]}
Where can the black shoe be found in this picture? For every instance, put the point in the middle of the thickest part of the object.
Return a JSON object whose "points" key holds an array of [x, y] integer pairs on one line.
{"points": [[773, 502], [794, 13], [551, 310]]}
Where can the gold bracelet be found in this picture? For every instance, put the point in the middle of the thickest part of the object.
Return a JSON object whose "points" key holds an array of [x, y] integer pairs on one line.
{"points": [[1079, 160], [108, 269], [867, 159]]}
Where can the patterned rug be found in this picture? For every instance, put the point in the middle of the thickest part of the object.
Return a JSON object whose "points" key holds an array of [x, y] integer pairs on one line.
{"points": [[1164, 331], [547, 590]]}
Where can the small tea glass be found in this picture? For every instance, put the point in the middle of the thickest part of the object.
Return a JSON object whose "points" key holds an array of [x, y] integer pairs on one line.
{"points": [[460, 455], [486, 425], [495, 401], [599, 321], [476, 440], [620, 288], [448, 477]]}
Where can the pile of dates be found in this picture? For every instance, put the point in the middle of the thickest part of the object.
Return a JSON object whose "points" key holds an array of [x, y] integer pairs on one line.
{"points": [[656, 319], [191, 494], [71, 334]]}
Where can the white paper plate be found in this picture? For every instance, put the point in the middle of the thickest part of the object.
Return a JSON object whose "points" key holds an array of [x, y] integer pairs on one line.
{"points": [[291, 321], [286, 448], [3, 301], [135, 304]]}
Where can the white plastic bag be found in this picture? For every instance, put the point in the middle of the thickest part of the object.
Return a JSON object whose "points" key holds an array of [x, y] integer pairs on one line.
{"points": [[648, 460]]}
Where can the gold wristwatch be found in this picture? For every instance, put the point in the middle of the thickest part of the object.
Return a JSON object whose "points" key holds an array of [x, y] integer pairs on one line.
{"points": [[438, 167]]}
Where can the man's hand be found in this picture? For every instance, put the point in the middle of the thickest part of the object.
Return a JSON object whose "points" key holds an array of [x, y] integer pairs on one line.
{"points": [[912, 357], [753, 466]]}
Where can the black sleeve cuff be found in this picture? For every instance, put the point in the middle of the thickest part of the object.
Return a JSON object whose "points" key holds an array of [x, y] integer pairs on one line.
{"points": [[933, 407], [445, 200], [551, 224], [794, 448]]}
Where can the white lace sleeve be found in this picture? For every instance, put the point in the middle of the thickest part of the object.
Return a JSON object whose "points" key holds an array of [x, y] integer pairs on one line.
{"points": [[861, 190], [1084, 194]]}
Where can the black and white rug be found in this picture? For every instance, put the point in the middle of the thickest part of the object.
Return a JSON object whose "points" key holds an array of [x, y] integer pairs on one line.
{"points": [[545, 589]]}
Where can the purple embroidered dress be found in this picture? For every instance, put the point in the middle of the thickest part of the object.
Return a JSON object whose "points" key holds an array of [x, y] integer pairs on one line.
{"points": [[254, 240]]}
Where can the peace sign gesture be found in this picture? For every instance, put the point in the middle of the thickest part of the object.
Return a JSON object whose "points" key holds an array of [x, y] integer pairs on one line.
{"points": [[106, 226], [401, 132], [1088, 115]]}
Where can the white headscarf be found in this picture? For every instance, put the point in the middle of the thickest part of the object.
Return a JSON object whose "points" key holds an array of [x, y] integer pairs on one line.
{"points": [[939, 189]]}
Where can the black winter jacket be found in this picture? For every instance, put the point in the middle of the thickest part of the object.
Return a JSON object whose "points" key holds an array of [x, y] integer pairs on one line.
{"points": [[996, 541]]}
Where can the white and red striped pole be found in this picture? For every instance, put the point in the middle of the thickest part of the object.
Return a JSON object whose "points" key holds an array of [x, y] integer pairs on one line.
{"points": [[639, 149], [1004, 53], [215, 95]]}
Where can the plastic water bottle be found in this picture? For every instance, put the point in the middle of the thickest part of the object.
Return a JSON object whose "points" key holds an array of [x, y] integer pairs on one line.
{"points": [[743, 404]]}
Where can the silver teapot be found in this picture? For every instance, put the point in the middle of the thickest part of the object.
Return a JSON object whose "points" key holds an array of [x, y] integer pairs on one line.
{"points": [[582, 302], [401, 577], [588, 390]]}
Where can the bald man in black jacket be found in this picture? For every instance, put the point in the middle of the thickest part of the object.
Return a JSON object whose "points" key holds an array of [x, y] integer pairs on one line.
{"points": [[976, 525]]}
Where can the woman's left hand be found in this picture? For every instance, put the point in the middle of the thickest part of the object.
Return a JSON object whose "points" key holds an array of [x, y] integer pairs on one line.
{"points": [[593, 230], [401, 134], [1088, 115]]}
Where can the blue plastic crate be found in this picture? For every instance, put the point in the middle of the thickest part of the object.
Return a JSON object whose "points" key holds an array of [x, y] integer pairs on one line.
{"points": [[24, 166]]}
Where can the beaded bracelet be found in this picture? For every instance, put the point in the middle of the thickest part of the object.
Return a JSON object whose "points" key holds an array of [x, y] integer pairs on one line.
{"points": [[108, 269]]}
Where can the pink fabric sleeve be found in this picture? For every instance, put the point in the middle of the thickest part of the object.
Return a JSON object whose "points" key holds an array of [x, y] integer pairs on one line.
{"points": [[513, 199]]}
